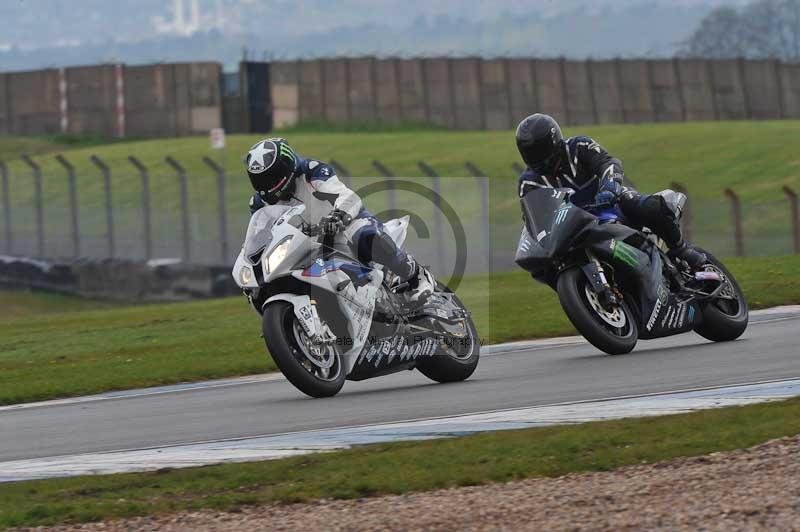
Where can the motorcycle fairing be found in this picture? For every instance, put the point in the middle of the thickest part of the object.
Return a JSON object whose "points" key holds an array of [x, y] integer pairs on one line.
{"points": [[319, 268], [384, 355], [303, 310], [559, 226]]}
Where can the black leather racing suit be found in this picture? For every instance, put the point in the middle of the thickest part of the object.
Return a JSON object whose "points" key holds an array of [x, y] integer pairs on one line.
{"points": [[587, 168]]}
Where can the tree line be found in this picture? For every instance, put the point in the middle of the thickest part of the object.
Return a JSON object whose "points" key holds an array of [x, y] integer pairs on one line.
{"points": [[763, 29]]}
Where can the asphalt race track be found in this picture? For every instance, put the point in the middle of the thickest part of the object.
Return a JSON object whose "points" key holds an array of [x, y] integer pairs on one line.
{"points": [[514, 378]]}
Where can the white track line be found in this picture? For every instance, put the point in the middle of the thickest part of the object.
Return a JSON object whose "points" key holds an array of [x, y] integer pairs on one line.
{"points": [[290, 444]]}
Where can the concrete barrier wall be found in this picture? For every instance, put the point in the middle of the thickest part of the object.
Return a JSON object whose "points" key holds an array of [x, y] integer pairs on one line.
{"points": [[157, 100], [666, 91], [495, 95], [285, 95], [413, 91], [362, 91], [579, 96], [551, 90], [473, 93], [606, 92], [387, 91], [761, 83], [729, 96], [438, 92], [695, 84], [92, 100], [311, 96], [469, 93], [466, 87], [524, 91], [790, 90], [335, 90], [33, 102], [5, 108], [635, 91]]}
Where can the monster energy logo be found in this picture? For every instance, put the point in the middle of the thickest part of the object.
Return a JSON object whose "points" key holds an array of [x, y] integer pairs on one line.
{"points": [[561, 214], [287, 151], [625, 253]]}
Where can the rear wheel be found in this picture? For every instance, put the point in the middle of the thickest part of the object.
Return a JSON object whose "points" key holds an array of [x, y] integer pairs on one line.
{"points": [[612, 330], [725, 318], [314, 369], [456, 359]]}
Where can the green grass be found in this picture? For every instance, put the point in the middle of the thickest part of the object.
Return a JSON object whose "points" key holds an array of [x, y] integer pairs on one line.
{"points": [[400, 467], [81, 347], [14, 147], [752, 157], [23, 304]]}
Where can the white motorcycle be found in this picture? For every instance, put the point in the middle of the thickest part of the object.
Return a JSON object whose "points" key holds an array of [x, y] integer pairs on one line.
{"points": [[327, 317]]}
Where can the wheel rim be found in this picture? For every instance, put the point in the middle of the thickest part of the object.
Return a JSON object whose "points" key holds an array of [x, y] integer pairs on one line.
{"points": [[321, 360], [615, 318], [728, 301], [461, 348], [615, 321]]}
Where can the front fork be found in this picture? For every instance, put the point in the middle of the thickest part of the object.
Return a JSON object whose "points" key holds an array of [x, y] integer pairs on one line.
{"points": [[609, 297]]}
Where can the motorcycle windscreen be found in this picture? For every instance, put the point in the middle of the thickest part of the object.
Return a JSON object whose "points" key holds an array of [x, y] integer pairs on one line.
{"points": [[259, 231], [551, 221]]}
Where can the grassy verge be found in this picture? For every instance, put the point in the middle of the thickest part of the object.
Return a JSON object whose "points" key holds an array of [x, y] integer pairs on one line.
{"points": [[401, 467], [706, 156], [79, 347]]}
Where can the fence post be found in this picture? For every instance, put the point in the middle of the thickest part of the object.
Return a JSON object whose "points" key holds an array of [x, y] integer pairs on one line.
{"points": [[37, 185], [385, 172], [686, 221], [6, 208], [148, 235], [792, 195], [736, 211], [109, 207], [343, 172], [437, 214], [223, 218], [187, 237], [483, 183], [73, 204]]}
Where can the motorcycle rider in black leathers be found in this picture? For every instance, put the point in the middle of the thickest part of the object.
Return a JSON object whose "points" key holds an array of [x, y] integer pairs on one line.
{"points": [[280, 176], [580, 163]]}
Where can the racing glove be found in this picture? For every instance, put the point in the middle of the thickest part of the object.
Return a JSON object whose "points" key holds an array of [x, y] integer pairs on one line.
{"points": [[335, 222], [610, 191]]}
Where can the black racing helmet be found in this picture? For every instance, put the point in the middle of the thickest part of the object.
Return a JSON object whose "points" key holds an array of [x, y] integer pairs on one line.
{"points": [[540, 143], [271, 165]]}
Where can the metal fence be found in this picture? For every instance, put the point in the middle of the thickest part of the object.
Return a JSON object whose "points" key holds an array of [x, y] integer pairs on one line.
{"points": [[200, 215]]}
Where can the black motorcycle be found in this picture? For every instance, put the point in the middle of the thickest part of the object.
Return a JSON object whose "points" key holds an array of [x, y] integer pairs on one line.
{"points": [[617, 284]]}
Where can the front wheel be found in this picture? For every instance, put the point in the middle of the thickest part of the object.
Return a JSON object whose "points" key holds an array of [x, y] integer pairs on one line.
{"points": [[314, 369], [725, 317], [612, 330], [455, 359]]}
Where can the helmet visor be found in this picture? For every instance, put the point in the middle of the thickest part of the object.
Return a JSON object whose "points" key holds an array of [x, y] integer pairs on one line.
{"points": [[541, 156]]}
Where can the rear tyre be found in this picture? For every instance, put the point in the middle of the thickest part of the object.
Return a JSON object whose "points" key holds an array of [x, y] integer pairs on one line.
{"points": [[612, 331], [724, 319], [456, 362], [314, 370]]}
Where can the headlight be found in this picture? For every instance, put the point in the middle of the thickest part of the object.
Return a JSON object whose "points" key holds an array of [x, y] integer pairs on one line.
{"points": [[245, 275], [276, 256]]}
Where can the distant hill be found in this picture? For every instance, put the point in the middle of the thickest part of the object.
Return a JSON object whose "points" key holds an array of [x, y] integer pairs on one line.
{"points": [[43, 33]]}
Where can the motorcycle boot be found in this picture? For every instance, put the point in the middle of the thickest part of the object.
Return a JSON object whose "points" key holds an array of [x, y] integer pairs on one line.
{"points": [[694, 258]]}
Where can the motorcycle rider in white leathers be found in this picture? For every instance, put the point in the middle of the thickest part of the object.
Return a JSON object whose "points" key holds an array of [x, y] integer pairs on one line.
{"points": [[280, 176]]}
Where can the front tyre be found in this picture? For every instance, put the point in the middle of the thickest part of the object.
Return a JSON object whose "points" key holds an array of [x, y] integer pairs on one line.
{"points": [[315, 370], [725, 318], [456, 359], [613, 331]]}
